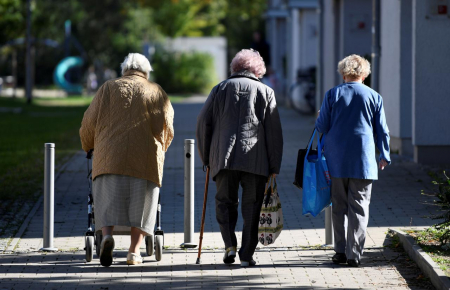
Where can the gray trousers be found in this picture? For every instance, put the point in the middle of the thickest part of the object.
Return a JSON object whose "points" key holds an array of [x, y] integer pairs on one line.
{"points": [[350, 211], [253, 186]]}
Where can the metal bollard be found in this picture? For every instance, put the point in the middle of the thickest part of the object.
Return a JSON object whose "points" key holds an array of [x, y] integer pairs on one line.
{"points": [[49, 192], [189, 194], [328, 227]]}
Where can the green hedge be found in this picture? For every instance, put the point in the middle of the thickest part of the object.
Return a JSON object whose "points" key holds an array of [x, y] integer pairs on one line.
{"points": [[184, 72]]}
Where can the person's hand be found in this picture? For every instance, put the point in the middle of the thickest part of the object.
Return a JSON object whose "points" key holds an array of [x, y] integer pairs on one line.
{"points": [[383, 164], [274, 175]]}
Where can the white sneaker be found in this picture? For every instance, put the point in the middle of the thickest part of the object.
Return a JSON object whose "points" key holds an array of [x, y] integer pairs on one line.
{"points": [[134, 259], [248, 264], [106, 251]]}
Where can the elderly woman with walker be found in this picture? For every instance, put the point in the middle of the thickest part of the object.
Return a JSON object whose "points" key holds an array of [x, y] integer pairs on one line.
{"points": [[352, 117], [130, 125]]}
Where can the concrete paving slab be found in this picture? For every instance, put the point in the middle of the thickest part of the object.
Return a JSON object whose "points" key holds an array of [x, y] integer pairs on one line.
{"points": [[294, 261]]}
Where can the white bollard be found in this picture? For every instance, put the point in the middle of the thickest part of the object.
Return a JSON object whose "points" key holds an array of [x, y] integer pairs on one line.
{"points": [[49, 193], [189, 194], [328, 227]]}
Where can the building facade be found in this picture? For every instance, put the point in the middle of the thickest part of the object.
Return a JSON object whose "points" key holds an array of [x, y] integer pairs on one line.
{"points": [[292, 30], [414, 61]]}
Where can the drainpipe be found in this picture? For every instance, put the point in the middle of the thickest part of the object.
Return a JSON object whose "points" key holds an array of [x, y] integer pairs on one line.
{"points": [[376, 48], [319, 71], [28, 57]]}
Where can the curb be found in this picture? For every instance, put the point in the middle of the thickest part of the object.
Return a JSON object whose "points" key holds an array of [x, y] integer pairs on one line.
{"points": [[15, 241], [24, 226], [423, 260]]}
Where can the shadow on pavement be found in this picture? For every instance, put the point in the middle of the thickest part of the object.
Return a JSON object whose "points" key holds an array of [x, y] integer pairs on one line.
{"points": [[388, 266], [396, 199]]}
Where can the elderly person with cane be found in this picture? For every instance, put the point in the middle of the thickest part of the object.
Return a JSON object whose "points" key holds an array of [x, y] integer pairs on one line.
{"points": [[239, 137], [352, 117], [130, 125]]}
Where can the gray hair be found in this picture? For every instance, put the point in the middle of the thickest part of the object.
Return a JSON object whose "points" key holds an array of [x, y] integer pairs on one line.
{"points": [[136, 61], [354, 66], [250, 60]]}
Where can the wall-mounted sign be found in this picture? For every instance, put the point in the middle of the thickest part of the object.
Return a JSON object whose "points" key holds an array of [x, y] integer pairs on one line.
{"points": [[360, 22], [439, 9]]}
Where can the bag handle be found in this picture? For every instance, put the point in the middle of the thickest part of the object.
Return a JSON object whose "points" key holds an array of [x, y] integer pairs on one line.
{"points": [[320, 143], [319, 146], [267, 185], [270, 182], [310, 143], [273, 183], [310, 138]]}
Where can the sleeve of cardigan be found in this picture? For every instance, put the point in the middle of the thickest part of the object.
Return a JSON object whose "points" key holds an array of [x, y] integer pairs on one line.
{"points": [[323, 123], [162, 126], [87, 130], [382, 132], [274, 135], [205, 127]]}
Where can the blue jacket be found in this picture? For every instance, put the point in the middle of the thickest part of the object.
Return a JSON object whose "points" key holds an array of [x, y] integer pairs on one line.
{"points": [[352, 117]]}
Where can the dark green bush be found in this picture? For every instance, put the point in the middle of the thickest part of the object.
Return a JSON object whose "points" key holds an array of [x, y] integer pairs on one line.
{"points": [[184, 72], [442, 195]]}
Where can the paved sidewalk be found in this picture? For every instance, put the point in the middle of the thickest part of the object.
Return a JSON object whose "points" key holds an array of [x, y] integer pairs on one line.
{"points": [[294, 261]]}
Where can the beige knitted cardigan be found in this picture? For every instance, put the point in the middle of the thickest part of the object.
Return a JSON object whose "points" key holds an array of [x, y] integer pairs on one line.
{"points": [[130, 125]]}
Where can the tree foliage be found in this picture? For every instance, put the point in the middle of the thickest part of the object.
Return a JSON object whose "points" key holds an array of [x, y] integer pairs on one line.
{"points": [[12, 20], [109, 29], [176, 18], [243, 17], [184, 72]]}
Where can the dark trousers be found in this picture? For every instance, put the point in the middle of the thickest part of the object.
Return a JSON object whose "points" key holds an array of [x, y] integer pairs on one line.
{"points": [[253, 186], [350, 211]]}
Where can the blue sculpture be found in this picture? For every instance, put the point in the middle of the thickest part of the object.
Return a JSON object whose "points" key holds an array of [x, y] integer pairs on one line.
{"points": [[59, 76]]}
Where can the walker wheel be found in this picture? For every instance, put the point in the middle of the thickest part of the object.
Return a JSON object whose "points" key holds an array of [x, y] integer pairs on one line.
{"points": [[159, 247], [89, 240], [150, 245], [98, 242]]}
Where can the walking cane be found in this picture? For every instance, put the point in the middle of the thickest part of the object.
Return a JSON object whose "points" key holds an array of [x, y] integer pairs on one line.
{"points": [[205, 197]]}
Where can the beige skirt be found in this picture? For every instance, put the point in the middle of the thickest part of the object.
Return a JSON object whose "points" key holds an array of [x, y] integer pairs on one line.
{"points": [[121, 200]]}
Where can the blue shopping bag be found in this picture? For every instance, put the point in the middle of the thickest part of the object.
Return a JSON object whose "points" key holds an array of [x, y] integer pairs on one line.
{"points": [[316, 181]]}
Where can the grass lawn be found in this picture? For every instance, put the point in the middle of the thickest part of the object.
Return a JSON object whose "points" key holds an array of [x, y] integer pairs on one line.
{"points": [[428, 240], [22, 141], [23, 134]]}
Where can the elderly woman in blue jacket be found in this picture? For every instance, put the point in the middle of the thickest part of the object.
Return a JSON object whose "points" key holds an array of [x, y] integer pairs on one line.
{"points": [[352, 117]]}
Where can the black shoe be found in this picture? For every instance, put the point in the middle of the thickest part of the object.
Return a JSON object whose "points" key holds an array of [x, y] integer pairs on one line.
{"points": [[106, 251], [250, 263], [230, 254], [339, 258], [354, 262]]}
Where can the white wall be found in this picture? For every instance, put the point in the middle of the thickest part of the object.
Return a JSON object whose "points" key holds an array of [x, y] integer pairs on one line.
{"points": [[342, 35], [294, 45], [396, 70], [308, 40], [329, 45], [406, 69], [216, 46], [390, 63], [282, 47], [431, 77], [356, 39]]}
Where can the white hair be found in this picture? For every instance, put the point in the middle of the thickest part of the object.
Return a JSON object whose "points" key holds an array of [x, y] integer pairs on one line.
{"points": [[354, 66], [136, 61]]}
